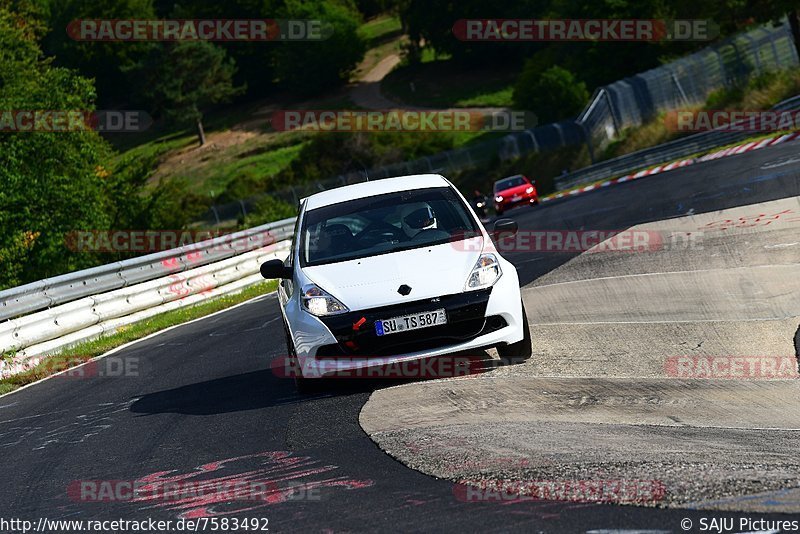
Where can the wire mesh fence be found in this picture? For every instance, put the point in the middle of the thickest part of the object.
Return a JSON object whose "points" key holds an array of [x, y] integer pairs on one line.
{"points": [[623, 104], [685, 82]]}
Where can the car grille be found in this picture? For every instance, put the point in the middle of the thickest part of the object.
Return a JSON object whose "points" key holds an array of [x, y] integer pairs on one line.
{"points": [[465, 321]]}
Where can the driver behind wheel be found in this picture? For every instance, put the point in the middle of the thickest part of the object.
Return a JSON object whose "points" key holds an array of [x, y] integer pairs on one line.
{"points": [[417, 217]]}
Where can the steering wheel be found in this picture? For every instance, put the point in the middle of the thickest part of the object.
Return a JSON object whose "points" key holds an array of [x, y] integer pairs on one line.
{"points": [[379, 233]]}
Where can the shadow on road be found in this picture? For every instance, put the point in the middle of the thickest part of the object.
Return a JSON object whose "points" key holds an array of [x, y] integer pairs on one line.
{"points": [[263, 389]]}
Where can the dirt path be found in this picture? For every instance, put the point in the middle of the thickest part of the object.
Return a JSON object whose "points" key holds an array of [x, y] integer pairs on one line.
{"points": [[366, 93]]}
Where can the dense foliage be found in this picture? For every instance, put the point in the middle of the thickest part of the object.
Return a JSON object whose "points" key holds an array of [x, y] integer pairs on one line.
{"points": [[553, 94]]}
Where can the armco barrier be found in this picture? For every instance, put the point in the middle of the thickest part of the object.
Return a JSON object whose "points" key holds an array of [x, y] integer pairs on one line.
{"points": [[48, 315], [34, 336], [50, 292]]}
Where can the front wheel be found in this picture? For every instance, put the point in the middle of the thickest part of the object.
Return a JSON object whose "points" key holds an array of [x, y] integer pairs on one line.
{"points": [[521, 350], [301, 383]]}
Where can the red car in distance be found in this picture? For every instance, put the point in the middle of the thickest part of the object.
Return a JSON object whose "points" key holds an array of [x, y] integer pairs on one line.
{"points": [[512, 191]]}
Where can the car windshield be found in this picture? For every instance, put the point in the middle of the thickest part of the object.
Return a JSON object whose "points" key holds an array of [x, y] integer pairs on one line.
{"points": [[508, 183], [384, 223]]}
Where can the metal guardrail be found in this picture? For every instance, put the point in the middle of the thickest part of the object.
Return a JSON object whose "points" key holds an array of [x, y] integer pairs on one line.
{"points": [[678, 148], [46, 316], [65, 288], [31, 338]]}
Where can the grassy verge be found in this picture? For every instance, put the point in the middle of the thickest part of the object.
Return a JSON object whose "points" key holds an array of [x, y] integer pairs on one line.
{"points": [[251, 160], [87, 350], [380, 29], [445, 84]]}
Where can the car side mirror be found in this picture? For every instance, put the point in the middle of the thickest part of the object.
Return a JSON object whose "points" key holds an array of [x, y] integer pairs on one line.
{"points": [[274, 269], [505, 226]]}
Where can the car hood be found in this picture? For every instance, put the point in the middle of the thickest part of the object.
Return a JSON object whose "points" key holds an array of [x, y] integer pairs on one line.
{"points": [[519, 190], [373, 281]]}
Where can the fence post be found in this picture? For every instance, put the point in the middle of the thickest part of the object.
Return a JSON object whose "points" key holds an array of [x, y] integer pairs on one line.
{"points": [[588, 138], [754, 50], [680, 88], [778, 62], [561, 141], [450, 166], [611, 111], [533, 138]]}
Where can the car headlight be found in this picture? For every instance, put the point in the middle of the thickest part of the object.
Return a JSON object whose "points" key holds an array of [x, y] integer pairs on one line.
{"points": [[498, 198], [485, 273], [319, 302], [529, 190]]}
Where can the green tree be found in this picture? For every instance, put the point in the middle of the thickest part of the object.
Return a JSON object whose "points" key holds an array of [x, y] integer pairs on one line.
{"points": [[314, 67], [371, 8], [108, 62], [184, 78], [268, 209], [254, 59], [553, 95], [50, 182]]}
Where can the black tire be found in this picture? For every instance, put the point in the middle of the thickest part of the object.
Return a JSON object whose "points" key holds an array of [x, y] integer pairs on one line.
{"points": [[301, 384], [521, 350]]}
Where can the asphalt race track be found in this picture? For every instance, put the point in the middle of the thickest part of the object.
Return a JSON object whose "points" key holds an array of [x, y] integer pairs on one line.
{"points": [[202, 405]]}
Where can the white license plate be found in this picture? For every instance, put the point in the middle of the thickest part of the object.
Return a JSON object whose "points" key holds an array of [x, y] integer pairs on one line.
{"points": [[515, 198], [415, 321]]}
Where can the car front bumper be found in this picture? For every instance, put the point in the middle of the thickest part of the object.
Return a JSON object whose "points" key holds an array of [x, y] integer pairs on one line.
{"points": [[508, 204], [476, 319]]}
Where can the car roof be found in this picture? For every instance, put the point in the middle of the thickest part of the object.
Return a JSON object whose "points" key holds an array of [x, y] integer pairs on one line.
{"points": [[374, 188]]}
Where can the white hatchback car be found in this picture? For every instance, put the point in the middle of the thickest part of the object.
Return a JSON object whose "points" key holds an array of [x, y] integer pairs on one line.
{"points": [[395, 270]]}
